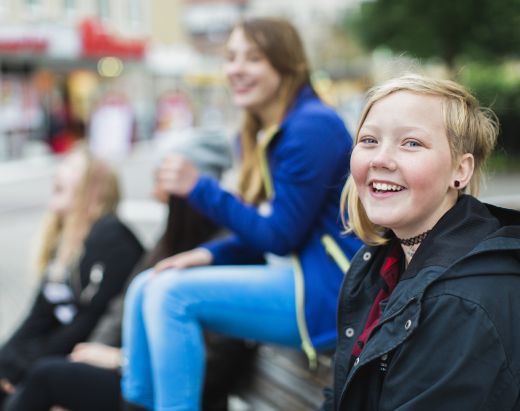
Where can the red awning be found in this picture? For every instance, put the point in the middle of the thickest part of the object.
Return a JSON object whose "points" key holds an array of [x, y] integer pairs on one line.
{"points": [[97, 42]]}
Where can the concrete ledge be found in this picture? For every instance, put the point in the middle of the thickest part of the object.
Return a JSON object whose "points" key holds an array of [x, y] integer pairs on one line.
{"points": [[507, 201]]}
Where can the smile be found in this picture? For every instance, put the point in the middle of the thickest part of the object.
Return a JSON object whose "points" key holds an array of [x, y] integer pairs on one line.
{"points": [[242, 87], [384, 187]]}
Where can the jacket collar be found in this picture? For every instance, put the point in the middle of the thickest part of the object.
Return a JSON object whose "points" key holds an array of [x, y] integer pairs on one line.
{"points": [[468, 231], [304, 94], [465, 225]]}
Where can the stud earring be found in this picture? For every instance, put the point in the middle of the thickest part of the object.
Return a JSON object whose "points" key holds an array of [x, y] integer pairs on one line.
{"points": [[456, 183]]}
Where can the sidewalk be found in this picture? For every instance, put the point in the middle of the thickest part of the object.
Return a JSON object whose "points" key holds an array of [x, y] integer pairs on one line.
{"points": [[502, 190]]}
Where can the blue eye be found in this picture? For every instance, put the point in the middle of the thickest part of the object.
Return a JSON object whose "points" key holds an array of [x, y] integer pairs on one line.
{"points": [[367, 140], [412, 143]]}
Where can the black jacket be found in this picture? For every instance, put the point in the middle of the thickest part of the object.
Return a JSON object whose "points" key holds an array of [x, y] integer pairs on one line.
{"points": [[448, 338], [109, 246]]}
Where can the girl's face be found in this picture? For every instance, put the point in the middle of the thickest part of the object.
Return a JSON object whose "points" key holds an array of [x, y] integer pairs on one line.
{"points": [[402, 163], [65, 185], [254, 81]]}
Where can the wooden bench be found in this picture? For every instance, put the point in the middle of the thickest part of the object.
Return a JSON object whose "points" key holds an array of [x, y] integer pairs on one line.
{"points": [[282, 381]]}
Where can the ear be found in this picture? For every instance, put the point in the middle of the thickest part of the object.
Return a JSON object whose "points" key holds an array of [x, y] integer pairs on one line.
{"points": [[463, 171]]}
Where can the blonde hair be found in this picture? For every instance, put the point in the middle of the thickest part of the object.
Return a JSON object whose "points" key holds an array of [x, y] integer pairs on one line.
{"points": [[279, 41], [469, 128], [96, 194]]}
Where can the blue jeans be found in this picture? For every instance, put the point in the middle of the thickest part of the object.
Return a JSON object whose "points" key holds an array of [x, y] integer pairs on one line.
{"points": [[164, 316]]}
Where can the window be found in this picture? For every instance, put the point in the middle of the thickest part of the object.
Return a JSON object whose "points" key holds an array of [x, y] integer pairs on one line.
{"points": [[103, 10], [135, 14], [70, 7], [33, 6]]}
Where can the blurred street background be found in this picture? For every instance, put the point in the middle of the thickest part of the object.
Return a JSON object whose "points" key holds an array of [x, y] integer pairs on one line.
{"points": [[137, 72]]}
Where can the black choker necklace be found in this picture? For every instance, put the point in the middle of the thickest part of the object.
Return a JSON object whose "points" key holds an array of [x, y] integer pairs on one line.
{"points": [[413, 240]]}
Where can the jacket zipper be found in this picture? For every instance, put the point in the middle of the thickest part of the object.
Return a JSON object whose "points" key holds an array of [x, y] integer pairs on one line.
{"points": [[330, 245], [299, 284], [334, 250], [351, 376]]}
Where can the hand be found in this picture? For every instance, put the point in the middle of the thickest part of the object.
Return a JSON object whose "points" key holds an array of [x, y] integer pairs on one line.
{"points": [[157, 191], [6, 386], [99, 355], [192, 258], [177, 175]]}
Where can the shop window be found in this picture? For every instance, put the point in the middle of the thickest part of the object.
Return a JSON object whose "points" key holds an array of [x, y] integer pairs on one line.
{"points": [[104, 10], [70, 8], [34, 7], [135, 14]]}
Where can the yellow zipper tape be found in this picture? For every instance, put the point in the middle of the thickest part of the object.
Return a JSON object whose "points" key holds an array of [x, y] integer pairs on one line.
{"points": [[264, 166], [299, 285], [334, 250]]}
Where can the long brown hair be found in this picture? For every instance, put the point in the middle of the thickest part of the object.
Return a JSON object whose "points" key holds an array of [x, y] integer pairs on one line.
{"points": [[96, 194], [281, 44], [185, 229]]}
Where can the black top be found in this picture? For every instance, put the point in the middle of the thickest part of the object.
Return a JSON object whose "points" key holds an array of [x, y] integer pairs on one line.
{"points": [[110, 252]]}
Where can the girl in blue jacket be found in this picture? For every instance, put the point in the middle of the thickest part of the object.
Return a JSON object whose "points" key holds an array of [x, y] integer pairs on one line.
{"points": [[294, 153]]}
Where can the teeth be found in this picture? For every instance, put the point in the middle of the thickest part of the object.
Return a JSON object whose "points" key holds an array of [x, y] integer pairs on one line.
{"points": [[386, 187]]}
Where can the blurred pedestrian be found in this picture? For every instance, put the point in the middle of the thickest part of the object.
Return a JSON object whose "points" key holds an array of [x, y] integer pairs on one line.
{"points": [[428, 311], [85, 258], [112, 128], [294, 151], [174, 113]]}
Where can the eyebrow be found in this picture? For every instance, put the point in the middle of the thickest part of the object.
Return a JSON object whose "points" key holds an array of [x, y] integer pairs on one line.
{"points": [[373, 127], [252, 49], [369, 126]]}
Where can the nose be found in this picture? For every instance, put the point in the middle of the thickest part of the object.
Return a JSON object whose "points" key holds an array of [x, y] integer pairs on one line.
{"points": [[384, 158], [233, 67]]}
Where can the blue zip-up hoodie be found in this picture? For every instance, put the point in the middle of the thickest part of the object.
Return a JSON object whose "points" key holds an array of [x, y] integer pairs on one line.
{"points": [[308, 161]]}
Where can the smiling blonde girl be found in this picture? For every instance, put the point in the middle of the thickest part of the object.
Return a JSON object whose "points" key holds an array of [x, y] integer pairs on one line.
{"points": [[428, 311]]}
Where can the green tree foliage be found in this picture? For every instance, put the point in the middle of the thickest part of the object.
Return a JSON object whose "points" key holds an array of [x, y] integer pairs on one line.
{"points": [[498, 87], [446, 29]]}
